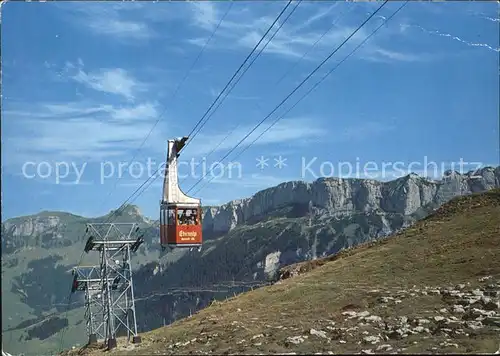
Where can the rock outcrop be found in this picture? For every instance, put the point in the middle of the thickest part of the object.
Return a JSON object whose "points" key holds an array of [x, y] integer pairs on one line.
{"points": [[54, 229], [32, 225], [332, 196], [43, 230]]}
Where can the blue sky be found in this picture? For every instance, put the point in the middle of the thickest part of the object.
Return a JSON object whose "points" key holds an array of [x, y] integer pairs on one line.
{"points": [[84, 83]]}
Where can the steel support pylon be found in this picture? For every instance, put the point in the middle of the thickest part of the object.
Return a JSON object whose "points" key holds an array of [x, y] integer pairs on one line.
{"points": [[115, 242], [88, 279]]}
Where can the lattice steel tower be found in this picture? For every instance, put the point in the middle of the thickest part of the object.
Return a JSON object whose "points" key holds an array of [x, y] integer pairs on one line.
{"points": [[88, 280], [115, 242]]}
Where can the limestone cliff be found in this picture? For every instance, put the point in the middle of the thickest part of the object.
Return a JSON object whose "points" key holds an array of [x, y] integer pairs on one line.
{"points": [[54, 229], [41, 230], [405, 195]]}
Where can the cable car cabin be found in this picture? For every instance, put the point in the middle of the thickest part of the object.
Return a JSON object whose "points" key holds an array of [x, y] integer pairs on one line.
{"points": [[180, 226], [180, 215]]}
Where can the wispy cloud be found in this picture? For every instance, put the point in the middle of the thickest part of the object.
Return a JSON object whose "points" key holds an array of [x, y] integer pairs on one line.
{"points": [[289, 42], [243, 28], [362, 131], [135, 22], [120, 28], [108, 80], [317, 15], [86, 110], [491, 19], [291, 131], [295, 132], [455, 38], [304, 29], [484, 10], [383, 55], [204, 14], [109, 19], [76, 131]]}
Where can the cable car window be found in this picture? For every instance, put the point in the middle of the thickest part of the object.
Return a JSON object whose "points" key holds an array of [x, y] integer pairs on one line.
{"points": [[163, 216], [187, 216], [194, 217], [181, 217], [171, 216]]}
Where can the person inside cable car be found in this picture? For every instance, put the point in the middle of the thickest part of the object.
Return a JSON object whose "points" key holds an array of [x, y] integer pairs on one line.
{"points": [[193, 217], [192, 220], [181, 217]]}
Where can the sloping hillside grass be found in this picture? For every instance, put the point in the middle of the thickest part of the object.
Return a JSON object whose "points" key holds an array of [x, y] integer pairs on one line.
{"points": [[433, 288]]}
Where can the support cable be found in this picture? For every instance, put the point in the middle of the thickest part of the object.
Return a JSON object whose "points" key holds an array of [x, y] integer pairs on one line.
{"points": [[235, 74], [246, 69]]}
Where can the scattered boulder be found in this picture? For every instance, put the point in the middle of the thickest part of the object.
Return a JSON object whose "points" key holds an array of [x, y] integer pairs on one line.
{"points": [[295, 340], [384, 347], [373, 319], [318, 333], [371, 339]]}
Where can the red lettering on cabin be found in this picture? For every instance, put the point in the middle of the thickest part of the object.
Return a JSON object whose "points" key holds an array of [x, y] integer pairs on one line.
{"points": [[190, 234], [180, 234]]}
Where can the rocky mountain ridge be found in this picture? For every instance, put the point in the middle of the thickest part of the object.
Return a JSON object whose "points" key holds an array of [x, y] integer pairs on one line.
{"points": [[405, 195], [331, 196]]}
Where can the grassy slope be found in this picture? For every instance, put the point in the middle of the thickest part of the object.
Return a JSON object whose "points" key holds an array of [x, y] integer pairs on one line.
{"points": [[458, 244]]}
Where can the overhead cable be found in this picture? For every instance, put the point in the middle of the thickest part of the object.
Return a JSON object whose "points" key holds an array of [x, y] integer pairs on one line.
{"points": [[246, 69], [296, 88], [315, 86], [241, 66]]}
